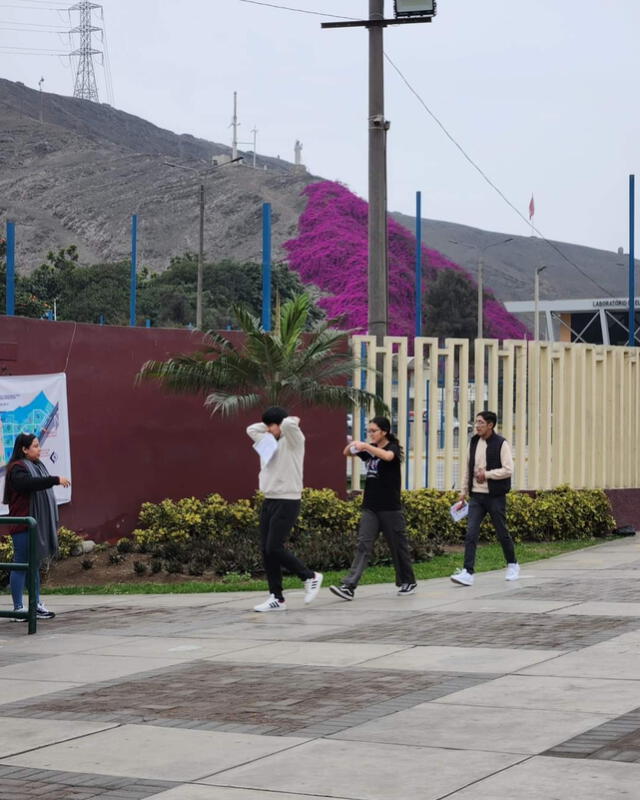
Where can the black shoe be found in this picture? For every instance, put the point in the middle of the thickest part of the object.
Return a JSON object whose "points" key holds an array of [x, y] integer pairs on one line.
{"points": [[345, 592], [407, 588], [42, 612]]}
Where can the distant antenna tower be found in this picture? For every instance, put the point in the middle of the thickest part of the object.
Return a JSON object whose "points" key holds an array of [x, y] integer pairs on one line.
{"points": [[234, 125], [85, 85]]}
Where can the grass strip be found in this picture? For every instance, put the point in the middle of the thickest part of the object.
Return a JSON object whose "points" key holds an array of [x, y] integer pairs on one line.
{"points": [[489, 557]]}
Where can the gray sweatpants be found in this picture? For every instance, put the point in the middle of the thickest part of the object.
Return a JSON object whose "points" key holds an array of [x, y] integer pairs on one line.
{"points": [[392, 525]]}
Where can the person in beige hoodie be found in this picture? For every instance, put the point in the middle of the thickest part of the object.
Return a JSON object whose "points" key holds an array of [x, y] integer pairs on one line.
{"points": [[280, 444]]}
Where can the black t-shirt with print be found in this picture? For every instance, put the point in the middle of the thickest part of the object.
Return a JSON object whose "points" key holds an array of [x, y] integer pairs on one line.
{"points": [[382, 485]]}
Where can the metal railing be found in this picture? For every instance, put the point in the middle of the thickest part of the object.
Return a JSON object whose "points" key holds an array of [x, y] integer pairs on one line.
{"points": [[30, 568]]}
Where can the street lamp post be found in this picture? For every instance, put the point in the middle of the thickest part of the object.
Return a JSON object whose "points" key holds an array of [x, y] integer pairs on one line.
{"points": [[480, 332], [536, 302], [481, 251], [200, 273]]}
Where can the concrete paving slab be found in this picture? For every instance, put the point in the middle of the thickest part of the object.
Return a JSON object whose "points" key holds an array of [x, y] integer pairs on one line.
{"points": [[12, 690], [504, 730], [558, 778], [147, 751], [186, 649], [509, 604], [54, 643], [603, 660], [282, 631], [322, 654], [365, 771], [590, 695], [461, 659], [79, 668], [193, 791], [601, 609], [18, 735]]}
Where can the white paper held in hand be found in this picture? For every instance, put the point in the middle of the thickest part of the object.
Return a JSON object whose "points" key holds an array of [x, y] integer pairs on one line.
{"points": [[265, 448], [459, 513]]}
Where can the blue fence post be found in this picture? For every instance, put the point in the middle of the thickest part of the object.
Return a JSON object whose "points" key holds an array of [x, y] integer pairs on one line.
{"points": [[134, 269], [11, 269], [266, 266], [632, 263], [418, 264]]}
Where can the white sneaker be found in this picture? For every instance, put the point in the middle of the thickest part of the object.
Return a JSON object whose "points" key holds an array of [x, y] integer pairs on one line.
{"points": [[312, 587], [513, 572], [462, 577], [271, 604]]}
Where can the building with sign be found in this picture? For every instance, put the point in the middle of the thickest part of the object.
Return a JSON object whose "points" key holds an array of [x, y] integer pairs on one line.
{"points": [[593, 321]]}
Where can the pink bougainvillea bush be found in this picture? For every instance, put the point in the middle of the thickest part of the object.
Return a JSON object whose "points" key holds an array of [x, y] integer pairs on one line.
{"points": [[331, 252]]}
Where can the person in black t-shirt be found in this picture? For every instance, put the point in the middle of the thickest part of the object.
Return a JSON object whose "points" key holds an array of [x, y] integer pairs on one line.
{"points": [[381, 509]]}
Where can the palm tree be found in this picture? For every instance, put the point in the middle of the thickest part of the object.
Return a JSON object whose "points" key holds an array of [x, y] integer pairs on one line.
{"points": [[285, 367]]}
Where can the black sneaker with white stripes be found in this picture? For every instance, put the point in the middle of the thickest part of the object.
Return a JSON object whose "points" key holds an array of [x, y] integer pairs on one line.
{"points": [[407, 588], [343, 591]]}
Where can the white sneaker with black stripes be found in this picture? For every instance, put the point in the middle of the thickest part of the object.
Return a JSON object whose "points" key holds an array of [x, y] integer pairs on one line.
{"points": [[271, 604]]}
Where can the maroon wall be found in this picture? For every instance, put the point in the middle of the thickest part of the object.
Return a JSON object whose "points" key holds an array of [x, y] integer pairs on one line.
{"points": [[131, 444]]}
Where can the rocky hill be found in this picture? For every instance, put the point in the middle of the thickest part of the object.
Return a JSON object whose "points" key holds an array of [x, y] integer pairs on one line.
{"points": [[77, 177]]}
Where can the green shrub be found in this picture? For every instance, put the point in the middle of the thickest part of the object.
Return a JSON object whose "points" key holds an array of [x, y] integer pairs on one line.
{"points": [[212, 534], [124, 545], [68, 541]]}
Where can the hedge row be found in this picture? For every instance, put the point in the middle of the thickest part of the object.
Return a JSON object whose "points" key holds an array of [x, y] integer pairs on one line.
{"points": [[213, 534]]}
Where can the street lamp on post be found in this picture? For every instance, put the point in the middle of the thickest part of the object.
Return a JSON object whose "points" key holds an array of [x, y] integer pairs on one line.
{"points": [[200, 273], [536, 302], [406, 12], [480, 332]]}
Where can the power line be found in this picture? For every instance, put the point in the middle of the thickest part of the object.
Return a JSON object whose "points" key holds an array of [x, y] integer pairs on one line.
{"points": [[452, 139], [297, 10], [489, 181]]}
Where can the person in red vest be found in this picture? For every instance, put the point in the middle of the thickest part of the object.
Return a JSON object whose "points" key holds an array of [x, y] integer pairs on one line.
{"points": [[28, 492]]}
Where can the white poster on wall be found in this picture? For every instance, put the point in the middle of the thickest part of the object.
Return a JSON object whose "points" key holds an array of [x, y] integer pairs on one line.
{"points": [[36, 404]]}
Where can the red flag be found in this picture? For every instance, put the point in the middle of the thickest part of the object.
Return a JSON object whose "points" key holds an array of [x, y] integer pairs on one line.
{"points": [[532, 207]]}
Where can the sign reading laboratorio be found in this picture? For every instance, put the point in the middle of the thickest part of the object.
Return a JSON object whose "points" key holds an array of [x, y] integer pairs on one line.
{"points": [[36, 404]]}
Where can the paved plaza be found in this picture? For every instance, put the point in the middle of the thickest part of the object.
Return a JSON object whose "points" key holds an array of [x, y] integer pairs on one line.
{"points": [[525, 690]]}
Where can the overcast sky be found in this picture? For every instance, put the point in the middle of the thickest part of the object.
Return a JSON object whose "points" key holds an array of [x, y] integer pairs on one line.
{"points": [[542, 95]]}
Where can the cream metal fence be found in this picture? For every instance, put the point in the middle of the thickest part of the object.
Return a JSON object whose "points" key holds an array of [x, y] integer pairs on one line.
{"points": [[570, 411]]}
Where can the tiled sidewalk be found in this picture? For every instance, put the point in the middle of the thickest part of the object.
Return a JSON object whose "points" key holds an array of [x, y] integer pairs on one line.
{"points": [[457, 692]]}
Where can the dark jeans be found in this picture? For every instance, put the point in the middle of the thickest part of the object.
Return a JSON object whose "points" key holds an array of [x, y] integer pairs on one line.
{"points": [[277, 518], [392, 525], [479, 506], [17, 579]]}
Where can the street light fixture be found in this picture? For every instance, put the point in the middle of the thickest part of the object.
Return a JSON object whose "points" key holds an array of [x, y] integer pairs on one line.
{"points": [[481, 251], [199, 282], [415, 8]]}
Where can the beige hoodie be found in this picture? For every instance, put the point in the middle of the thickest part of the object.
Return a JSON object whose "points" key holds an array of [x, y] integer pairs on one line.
{"points": [[281, 479]]}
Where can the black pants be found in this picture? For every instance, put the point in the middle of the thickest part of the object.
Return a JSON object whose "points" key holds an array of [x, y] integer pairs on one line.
{"points": [[277, 518], [479, 506], [392, 525]]}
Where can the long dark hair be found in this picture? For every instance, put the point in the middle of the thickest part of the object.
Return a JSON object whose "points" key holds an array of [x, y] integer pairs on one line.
{"points": [[385, 426], [23, 440]]}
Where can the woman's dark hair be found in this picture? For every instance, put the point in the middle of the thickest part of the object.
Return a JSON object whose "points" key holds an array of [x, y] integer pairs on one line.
{"points": [[23, 440], [385, 426]]}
